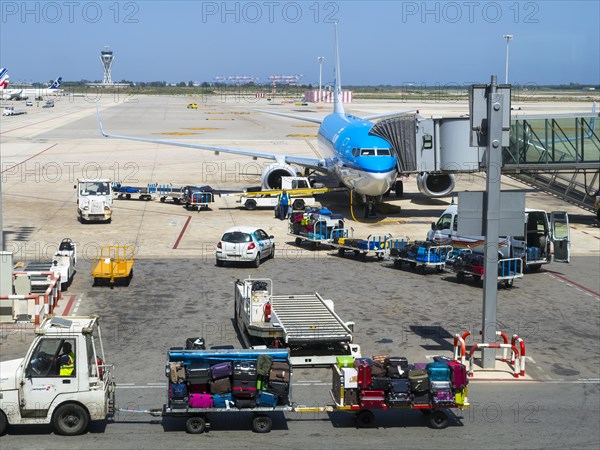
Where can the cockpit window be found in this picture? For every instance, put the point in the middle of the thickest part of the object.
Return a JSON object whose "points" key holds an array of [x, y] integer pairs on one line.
{"points": [[355, 152], [367, 152], [383, 152]]}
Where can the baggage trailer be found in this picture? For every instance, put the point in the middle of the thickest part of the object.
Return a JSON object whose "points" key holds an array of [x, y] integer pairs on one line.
{"points": [[114, 263], [167, 191], [509, 269], [360, 248], [198, 200], [306, 324], [419, 256]]}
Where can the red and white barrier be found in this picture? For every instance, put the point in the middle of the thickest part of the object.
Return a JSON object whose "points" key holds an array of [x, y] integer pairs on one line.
{"points": [[460, 342], [44, 303], [495, 345], [502, 334], [517, 340]]}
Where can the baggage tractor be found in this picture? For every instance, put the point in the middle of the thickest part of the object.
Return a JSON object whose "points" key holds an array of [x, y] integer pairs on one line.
{"points": [[244, 370], [195, 343], [176, 372], [421, 398], [220, 399], [438, 371], [201, 401], [372, 398], [439, 386], [397, 361], [221, 370], [350, 397], [443, 398], [381, 383], [400, 386], [458, 374], [266, 399], [244, 386], [280, 371], [419, 380], [178, 391], [198, 373], [398, 399], [364, 374], [263, 365], [220, 386], [344, 361]]}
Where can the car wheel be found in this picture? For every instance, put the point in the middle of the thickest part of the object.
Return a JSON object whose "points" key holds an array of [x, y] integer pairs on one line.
{"points": [[219, 262], [273, 252], [256, 262]]}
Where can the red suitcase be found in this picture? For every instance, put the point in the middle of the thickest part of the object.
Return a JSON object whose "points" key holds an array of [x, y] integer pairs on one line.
{"points": [[364, 373], [372, 399], [458, 374]]}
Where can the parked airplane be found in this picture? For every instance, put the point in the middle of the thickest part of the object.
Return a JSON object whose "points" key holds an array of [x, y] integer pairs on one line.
{"points": [[25, 93], [363, 162]]}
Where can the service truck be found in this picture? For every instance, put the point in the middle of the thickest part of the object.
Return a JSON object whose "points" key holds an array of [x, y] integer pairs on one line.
{"points": [[11, 111], [94, 199], [63, 262], [533, 247], [36, 389]]}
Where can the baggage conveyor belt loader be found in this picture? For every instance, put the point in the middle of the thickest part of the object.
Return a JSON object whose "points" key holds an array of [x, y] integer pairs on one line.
{"points": [[306, 324]]}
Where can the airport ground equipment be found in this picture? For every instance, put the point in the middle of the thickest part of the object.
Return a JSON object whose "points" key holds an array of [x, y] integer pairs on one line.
{"points": [[419, 256], [360, 248], [306, 324], [199, 200], [115, 263], [63, 262], [468, 264], [169, 191], [10, 110], [94, 200], [33, 391], [147, 192]]}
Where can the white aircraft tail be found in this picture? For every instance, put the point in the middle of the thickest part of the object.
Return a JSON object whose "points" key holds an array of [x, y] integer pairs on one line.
{"points": [[338, 106], [3, 78]]}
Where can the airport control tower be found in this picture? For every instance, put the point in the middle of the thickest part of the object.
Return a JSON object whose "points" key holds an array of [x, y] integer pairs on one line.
{"points": [[106, 57]]}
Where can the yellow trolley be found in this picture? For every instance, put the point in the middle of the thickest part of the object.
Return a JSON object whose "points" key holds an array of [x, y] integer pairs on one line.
{"points": [[114, 263]]}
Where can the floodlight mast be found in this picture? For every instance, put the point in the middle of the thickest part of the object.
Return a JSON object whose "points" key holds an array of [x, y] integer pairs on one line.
{"points": [[508, 37]]}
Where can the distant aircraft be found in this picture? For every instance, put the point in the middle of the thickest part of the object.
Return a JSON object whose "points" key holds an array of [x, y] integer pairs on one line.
{"points": [[363, 162], [25, 93]]}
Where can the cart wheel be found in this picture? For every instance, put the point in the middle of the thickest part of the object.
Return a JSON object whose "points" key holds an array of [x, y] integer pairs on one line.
{"points": [[128, 196], [460, 276], [298, 242], [421, 269], [195, 425], [262, 424], [356, 253], [440, 269], [363, 257], [163, 199], [365, 418], [397, 264], [509, 283], [341, 252], [413, 265], [379, 256], [438, 420]]}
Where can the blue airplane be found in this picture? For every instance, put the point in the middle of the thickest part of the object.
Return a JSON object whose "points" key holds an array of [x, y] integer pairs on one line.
{"points": [[363, 162]]}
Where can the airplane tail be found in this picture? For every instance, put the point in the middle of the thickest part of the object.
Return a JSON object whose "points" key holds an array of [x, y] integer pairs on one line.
{"points": [[56, 83], [338, 106], [3, 78]]}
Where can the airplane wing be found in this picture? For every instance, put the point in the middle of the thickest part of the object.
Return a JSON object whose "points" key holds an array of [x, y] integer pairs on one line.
{"points": [[292, 116], [304, 161], [381, 116]]}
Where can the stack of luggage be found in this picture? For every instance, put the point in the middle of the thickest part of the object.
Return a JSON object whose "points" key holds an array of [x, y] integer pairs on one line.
{"points": [[315, 223], [469, 262]]}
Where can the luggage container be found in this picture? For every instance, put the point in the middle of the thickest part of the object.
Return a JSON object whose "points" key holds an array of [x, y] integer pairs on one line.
{"points": [[418, 255]]}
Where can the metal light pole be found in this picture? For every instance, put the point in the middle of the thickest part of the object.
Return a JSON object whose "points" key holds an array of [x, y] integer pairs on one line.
{"points": [[321, 59], [508, 37]]}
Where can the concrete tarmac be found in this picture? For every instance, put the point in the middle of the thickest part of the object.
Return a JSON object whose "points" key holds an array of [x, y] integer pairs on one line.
{"points": [[177, 291]]}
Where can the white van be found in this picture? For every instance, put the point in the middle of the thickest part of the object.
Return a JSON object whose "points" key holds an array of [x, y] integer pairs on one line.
{"points": [[533, 246]]}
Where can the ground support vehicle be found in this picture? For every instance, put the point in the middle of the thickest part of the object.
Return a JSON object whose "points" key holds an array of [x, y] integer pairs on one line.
{"points": [[11, 111], [36, 389], [419, 256], [167, 191], [467, 264], [199, 200], [115, 263], [316, 226], [198, 414], [94, 200], [148, 192], [306, 324], [360, 248]]}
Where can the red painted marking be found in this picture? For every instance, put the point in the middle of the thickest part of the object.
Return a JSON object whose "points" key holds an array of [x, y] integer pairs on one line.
{"points": [[69, 305], [562, 277], [181, 233], [31, 157]]}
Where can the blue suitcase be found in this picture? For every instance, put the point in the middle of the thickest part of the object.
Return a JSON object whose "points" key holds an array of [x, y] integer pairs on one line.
{"points": [[220, 399], [266, 399], [438, 371], [177, 391]]}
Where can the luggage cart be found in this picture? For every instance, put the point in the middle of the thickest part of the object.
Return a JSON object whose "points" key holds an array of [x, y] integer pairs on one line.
{"points": [[114, 263], [509, 270], [126, 192], [199, 200], [168, 191], [321, 235], [361, 248], [426, 256]]}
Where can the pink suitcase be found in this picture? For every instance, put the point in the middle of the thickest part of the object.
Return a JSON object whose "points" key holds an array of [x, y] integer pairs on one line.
{"points": [[201, 401], [458, 374]]}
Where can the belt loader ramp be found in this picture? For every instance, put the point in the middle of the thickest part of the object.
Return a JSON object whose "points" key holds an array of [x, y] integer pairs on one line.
{"points": [[306, 324]]}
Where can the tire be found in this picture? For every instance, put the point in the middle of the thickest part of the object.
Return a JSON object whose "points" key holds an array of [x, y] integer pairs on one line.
{"points": [[220, 262], [534, 267], [365, 418], [250, 204], [195, 425], [298, 204], [128, 196], [256, 262], [438, 420], [397, 264], [3, 423], [460, 277], [341, 252], [163, 199], [272, 255], [70, 419], [399, 189], [298, 242], [262, 424], [109, 220]]}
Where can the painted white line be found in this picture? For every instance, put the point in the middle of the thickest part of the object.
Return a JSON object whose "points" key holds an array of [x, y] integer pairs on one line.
{"points": [[75, 310], [157, 384], [140, 387], [125, 384], [530, 359]]}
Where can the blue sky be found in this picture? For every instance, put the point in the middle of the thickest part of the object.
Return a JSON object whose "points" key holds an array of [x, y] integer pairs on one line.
{"points": [[381, 42]]}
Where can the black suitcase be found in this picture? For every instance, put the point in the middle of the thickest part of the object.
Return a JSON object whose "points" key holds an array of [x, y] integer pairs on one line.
{"points": [[400, 386], [279, 388], [422, 398], [244, 370], [398, 399], [198, 373], [381, 383], [397, 361], [179, 403], [244, 401], [195, 343]]}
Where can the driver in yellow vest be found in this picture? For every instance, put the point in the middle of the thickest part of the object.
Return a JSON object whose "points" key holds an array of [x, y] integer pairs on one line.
{"points": [[67, 360]]}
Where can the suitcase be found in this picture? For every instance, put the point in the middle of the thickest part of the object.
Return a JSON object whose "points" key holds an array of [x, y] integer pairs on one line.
{"points": [[394, 372], [350, 397], [195, 343], [350, 377], [421, 398], [369, 361], [266, 399], [381, 383], [279, 388], [398, 399], [179, 403], [201, 401], [245, 401], [378, 370], [380, 358], [420, 366], [419, 380], [176, 372], [197, 388], [372, 398], [221, 370], [438, 371], [344, 361], [364, 374], [198, 373], [400, 386], [244, 386], [244, 370], [442, 398], [458, 374], [439, 386], [460, 396], [397, 361], [178, 391], [280, 371], [263, 365], [220, 386], [220, 399]]}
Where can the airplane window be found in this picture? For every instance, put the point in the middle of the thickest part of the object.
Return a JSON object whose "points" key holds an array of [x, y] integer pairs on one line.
{"points": [[383, 152], [367, 152]]}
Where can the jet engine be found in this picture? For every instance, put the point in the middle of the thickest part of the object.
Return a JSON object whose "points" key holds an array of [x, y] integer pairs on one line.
{"points": [[271, 176], [438, 185]]}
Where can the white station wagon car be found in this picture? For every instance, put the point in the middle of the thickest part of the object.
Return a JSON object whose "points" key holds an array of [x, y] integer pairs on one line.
{"points": [[245, 244]]}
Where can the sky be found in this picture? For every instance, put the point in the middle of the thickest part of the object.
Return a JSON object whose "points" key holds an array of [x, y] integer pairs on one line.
{"points": [[381, 42]]}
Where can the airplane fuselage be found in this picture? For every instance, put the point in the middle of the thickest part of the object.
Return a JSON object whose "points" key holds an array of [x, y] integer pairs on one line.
{"points": [[361, 161]]}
